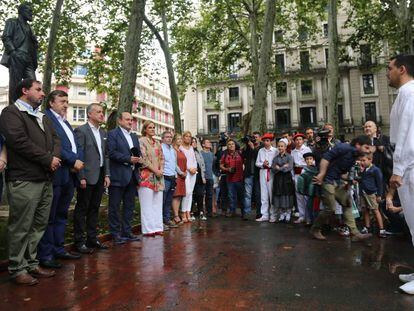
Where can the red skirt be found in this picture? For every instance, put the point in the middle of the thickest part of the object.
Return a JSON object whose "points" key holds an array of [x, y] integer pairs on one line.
{"points": [[180, 187]]}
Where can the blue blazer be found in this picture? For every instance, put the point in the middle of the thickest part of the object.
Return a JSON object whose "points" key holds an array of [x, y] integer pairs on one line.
{"points": [[63, 174], [120, 158]]}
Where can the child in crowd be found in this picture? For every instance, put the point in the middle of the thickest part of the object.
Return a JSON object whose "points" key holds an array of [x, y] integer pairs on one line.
{"points": [[306, 187], [371, 192], [283, 187]]}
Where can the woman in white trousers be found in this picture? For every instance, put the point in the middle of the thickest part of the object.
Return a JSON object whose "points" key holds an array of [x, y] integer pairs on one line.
{"points": [[191, 177], [151, 185]]}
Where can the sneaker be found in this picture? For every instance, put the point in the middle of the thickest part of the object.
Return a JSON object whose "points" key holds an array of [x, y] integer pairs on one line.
{"points": [[382, 234], [296, 214], [282, 217], [360, 237], [192, 218], [261, 219], [365, 230], [172, 224], [287, 217], [406, 277], [299, 220], [408, 288], [344, 231], [204, 218], [166, 227], [272, 219]]}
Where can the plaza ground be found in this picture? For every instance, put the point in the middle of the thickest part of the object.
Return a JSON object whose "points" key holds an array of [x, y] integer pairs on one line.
{"points": [[227, 264]]}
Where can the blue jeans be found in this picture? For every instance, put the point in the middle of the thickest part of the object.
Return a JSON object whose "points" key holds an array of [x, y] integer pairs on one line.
{"points": [[167, 198], [235, 194], [251, 194]]}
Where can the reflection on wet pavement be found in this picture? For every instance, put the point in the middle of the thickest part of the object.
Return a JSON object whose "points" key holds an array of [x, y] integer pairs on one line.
{"points": [[227, 264]]}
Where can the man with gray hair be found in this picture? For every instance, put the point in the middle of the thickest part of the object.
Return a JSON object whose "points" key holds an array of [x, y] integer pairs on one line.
{"points": [[91, 180]]}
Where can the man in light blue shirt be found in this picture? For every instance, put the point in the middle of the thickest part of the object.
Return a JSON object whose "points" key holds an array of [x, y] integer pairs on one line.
{"points": [[170, 168]]}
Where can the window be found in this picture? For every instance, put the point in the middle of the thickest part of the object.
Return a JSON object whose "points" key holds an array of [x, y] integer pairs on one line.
{"points": [[308, 116], [234, 120], [368, 84], [152, 113], [233, 71], [282, 117], [81, 90], [233, 93], [281, 89], [211, 95], [370, 111], [325, 30], [326, 57], [79, 114], [80, 70], [340, 115], [278, 36], [304, 61], [303, 33], [306, 87], [213, 123], [280, 63]]}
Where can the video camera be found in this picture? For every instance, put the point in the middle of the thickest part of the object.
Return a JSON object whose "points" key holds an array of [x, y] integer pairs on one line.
{"points": [[323, 137], [247, 138]]}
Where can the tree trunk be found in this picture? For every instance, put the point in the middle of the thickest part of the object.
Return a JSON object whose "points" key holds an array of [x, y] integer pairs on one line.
{"points": [[47, 72], [405, 22], [165, 46], [333, 64], [258, 122], [130, 65]]}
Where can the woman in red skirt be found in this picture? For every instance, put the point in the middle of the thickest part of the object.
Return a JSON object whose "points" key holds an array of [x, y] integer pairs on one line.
{"points": [[180, 181]]}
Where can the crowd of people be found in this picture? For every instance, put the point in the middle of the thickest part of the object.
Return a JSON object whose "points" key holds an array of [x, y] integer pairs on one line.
{"points": [[311, 178]]}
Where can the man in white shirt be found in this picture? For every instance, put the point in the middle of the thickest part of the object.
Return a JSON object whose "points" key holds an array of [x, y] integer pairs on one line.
{"points": [[51, 246], [400, 75], [298, 164], [264, 162]]}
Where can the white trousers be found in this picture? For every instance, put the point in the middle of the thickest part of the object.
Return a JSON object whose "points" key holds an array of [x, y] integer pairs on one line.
{"points": [[406, 193], [151, 210], [300, 200], [266, 195], [190, 181]]}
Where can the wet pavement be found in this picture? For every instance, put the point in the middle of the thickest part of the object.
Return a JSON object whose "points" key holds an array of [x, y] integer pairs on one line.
{"points": [[227, 264]]}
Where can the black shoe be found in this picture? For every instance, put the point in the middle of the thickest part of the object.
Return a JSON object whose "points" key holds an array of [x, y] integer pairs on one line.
{"points": [[67, 255], [97, 245], [50, 264], [117, 240], [131, 237], [83, 249]]}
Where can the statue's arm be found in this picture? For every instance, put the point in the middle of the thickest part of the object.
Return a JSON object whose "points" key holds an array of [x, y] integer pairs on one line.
{"points": [[7, 36]]}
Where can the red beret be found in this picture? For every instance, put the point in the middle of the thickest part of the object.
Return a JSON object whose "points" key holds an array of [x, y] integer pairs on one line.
{"points": [[267, 136], [298, 135]]}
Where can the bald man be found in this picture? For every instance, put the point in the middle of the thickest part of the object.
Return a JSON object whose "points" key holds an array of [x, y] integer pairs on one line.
{"points": [[380, 142]]}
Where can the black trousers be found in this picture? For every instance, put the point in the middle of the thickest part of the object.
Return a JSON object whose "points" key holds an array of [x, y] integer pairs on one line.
{"points": [[19, 69], [86, 212], [198, 199]]}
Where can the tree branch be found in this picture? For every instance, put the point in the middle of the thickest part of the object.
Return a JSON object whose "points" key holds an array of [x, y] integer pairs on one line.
{"points": [[155, 31], [240, 29]]}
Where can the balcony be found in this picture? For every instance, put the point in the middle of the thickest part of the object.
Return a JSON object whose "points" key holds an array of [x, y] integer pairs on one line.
{"points": [[366, 62], [212, 105], [235, 102], [307, 96]]}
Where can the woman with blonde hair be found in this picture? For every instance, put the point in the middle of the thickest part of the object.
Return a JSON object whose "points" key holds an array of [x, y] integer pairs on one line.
{"points": [[151, 185], [181, 176], [190, 179]]}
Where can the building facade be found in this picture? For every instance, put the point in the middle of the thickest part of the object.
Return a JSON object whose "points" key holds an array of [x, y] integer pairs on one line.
{"points": [[298, 97]]}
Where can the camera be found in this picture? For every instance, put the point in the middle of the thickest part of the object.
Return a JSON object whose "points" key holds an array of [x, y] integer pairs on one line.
{"points": [[247, 138], [323, 137]]}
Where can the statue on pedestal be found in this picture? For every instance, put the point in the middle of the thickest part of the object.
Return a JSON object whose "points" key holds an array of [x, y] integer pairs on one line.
{"points": [[20, 49]]}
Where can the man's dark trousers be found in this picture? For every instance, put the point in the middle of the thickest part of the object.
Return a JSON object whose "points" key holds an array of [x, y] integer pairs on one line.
{"points": [[169, 183], [209, 188], [121, 225], [87, 205], [53, 240]]}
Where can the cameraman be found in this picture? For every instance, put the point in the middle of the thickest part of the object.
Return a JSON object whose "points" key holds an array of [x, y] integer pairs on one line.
{"points": [[334, 166], [251, 174]]}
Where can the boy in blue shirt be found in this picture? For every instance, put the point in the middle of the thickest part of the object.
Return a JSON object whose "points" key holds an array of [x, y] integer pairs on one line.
{"points": [[371, 192]]}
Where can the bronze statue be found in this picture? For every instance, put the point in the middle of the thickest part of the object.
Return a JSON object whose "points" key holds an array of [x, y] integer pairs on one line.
{"points": [[20, 49]]}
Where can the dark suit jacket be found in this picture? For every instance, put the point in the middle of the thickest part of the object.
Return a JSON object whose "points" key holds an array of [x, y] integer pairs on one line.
{"points": [[120, 158], [29, 149], [13, 37], [87, 142], [63, 174]]}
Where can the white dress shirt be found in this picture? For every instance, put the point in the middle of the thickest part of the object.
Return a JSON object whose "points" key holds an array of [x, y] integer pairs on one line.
{"points": [[127, 137], [266, 154], [402, 129], [67, 130], [297, 155], [97, 134]]}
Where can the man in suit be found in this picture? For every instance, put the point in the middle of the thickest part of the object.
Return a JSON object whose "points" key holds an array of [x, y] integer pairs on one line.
{"points": [[125, 157], [20, 48], [51, 246], [93, 178], [33, 149]]}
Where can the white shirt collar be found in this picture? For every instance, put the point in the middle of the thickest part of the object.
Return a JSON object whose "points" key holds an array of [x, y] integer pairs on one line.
{"points": [[58, 116], [125, 131], [93, 126]]}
